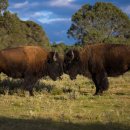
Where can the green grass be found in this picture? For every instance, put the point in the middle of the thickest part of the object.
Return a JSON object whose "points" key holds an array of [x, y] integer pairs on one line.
{"points": [[66, 105]]}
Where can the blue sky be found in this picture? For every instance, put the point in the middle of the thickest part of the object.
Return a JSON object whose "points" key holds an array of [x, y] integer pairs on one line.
{"points": [[55, 15]]}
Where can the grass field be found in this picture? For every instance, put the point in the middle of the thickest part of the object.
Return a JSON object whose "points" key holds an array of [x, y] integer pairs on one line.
{"points": [[66, 105]]}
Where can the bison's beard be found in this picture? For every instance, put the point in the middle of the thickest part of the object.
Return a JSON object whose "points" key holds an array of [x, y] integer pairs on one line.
{"points": [[55, 77], [72, 75]]}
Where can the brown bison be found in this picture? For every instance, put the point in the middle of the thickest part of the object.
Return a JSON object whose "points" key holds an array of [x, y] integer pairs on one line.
{"points": [[30, 63], [100, 60]]}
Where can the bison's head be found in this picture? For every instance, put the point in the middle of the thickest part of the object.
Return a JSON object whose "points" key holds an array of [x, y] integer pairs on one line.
{"points": [[55, 65], [72, 63]]}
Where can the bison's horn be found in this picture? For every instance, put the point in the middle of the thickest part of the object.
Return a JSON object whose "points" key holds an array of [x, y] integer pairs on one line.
{"points": [[72, 53], [54, 57]]}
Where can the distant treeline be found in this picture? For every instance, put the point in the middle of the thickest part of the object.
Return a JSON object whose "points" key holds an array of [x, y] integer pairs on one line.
{"points": [[14, 32], [91, 24], [100, 23]]}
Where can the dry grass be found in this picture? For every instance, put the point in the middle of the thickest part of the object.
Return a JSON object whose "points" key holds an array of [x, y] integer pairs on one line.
{"points": [[67, 105]]}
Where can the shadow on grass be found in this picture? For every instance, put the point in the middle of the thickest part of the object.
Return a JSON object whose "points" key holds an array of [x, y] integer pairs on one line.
{"points": [[11, 86], [48, 124], [122, 94]]}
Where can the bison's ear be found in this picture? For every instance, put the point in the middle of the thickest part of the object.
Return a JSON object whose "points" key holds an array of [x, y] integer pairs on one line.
{"points": [[52, 57]]}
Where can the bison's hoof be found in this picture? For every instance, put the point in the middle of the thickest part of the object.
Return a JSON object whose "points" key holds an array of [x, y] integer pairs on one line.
{"points": [[31, 94]]}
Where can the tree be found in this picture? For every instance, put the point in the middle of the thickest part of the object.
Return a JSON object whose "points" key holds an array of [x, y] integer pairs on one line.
{"points": [[14, 32], [3, 6], [102, 23], [60, 48]]}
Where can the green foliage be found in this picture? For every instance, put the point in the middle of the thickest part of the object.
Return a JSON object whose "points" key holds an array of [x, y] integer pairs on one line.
{"points": [[3, 6], [61, 47], [15, 32], [100, 23]]}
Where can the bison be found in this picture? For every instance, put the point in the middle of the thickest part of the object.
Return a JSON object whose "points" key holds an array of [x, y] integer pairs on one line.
{"points": [[100, 60], [30, 63]]}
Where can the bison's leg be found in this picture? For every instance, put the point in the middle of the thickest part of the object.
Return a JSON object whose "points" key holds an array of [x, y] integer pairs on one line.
{"points": [[96, 84], [101, 82], [29, 85]]}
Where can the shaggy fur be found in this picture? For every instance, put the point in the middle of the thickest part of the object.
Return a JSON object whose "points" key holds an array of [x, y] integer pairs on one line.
{"points": [[30, 63], [100, 61]]}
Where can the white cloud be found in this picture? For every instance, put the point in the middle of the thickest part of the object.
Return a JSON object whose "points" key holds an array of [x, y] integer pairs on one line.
{"points": [[53, 3], [21, 5], [58, 42], [42, 14], [52, 20], [63, 3], [24, 18], [127, 9], [60, 2], [25, 4], [46, 17]]}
